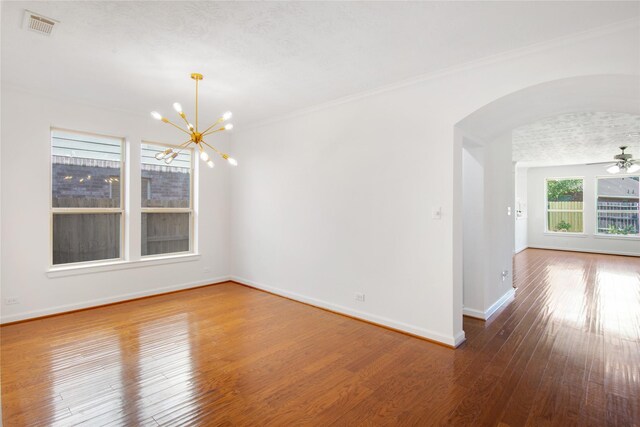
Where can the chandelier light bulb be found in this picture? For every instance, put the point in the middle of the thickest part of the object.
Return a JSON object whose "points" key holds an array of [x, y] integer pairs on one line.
{"points": [[227, 115], [169, 159], [228, 126], [162, 155], [177, 107], [156, 115], [210, 164], [613, 169], [204, 156], [232, 161], [190, 126], [633, 168]]}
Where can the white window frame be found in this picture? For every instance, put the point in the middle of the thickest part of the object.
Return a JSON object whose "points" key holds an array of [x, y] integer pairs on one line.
{"points": [[596, 210], [190, 210], [547, 210], [62, 211]]}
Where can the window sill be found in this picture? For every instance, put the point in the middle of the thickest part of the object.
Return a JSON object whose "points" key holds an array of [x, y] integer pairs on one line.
{"points": [[616, 237], [562, 234], [74, 270]]}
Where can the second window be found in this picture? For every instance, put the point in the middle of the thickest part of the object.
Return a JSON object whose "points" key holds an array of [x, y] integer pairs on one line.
{"points": [[167, 202]]}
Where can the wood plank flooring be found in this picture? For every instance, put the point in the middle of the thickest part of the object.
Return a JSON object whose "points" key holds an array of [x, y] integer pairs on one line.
{"points": [[565, 352]]}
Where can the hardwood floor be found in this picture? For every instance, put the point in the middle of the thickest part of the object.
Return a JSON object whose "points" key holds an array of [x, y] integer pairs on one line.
{"points": [[565, 352]]}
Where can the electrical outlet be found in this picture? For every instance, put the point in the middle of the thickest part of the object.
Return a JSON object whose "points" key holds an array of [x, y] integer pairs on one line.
{"points": [[359, 297], [11, 301], [436, 213]]}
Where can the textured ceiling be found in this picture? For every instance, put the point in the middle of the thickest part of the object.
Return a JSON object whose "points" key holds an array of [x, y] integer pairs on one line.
{"points": [[262, 59], [576, 138]]}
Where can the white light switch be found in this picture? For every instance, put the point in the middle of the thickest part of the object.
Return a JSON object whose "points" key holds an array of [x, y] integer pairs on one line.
{"points": [[436, 213], [509, 210]]}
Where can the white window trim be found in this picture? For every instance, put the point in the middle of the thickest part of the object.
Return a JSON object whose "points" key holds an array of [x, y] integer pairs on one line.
{"points": [[76, 269], [596, 233], [190, 210], [564, 234], [53, 211], [547, 210], [616, 236]]}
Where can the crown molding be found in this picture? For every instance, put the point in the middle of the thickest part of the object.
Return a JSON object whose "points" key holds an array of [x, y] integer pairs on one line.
{"points": [[613, 28]]}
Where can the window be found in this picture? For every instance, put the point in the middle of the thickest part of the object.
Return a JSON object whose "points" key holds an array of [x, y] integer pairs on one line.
{"points": [[86, 203], [617, 205], [564, 205], [167, 205]]}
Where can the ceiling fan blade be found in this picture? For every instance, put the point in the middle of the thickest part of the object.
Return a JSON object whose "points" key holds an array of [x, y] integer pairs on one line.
{"points": [[600, 163]]}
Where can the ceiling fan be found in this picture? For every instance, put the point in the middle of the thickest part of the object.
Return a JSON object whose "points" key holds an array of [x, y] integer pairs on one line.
{"points": [[624, 163]]}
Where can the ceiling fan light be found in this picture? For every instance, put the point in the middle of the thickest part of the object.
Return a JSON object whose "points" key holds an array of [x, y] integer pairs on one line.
{"points": [[633, 168], [156, 115], [177, 107], [613, 169]]}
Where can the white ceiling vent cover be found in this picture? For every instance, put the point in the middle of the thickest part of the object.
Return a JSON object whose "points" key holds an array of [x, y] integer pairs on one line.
{"points": [[38, 23]]}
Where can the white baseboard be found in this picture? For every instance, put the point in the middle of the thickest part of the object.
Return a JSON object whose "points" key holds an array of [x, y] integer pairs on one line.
{"points": [[108, 300], [591, 251], [472, 312], [459, 338], [508, 296], [484, 315], [517, 251], [452, 341]]}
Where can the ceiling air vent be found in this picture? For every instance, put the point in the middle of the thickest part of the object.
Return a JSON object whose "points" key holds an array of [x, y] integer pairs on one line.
{"points": [[38, 23]]}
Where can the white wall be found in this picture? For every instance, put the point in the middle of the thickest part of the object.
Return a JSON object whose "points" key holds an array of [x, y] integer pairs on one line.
{"points": [[500, 222], [339, 199], [521, 239], [587, 242], [474, 230], [26, 122], [488, 226]]}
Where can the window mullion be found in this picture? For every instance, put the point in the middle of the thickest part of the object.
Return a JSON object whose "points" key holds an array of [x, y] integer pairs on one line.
{"points": [[86, 210]]}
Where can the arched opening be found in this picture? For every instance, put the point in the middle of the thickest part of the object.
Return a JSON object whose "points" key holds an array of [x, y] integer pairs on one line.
{"points": [[487, 180]]}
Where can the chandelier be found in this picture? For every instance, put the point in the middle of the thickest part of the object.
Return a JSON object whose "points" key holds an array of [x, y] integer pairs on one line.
{"points": [[195, 136]]}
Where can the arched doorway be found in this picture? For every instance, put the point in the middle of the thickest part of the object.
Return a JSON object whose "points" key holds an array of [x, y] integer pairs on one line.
{"points": [[486, 184]]}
